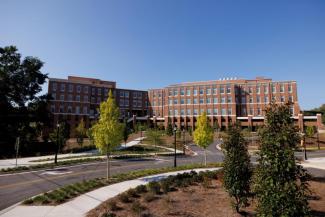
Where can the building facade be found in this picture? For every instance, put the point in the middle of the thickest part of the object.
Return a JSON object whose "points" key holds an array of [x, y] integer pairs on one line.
{"points": [[225, 101], [79, 98]]}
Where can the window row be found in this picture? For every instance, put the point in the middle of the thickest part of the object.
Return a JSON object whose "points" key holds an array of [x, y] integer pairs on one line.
{"points": [[182, 91], [189, 112], [265, 99], [71, 110], [200, 101]]}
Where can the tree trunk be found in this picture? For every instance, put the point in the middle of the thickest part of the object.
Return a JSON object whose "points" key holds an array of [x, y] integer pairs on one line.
{"points": [[107, 165], [205, 157]]}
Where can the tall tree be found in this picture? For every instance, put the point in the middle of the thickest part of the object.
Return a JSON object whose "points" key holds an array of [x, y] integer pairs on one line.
{"points": [[237, 168], [108, 131], [280, 184], [20, 82], [203, 134], [169, 130], [81, 132]]}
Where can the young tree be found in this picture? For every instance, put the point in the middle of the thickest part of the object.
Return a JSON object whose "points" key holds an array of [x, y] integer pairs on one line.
{"points": [[81, 132], [280, 184], [59, 136], [108, 131], [203, 134], [237, 168], [310, 131], [154, 136], [169, 130]]}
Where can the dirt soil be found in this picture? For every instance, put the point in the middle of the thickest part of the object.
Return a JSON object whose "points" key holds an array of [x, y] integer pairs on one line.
{"points": [[197, 201]]}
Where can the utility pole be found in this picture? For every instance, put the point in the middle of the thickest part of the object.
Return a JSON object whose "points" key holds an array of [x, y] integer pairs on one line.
{"points": [[17, 148], [175, 129], [57, 143]]}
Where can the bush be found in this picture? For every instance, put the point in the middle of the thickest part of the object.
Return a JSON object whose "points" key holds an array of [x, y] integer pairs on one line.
{"points": [[112, 205], [141, 189], [136, 207], [154, 187], [124, 198], [165, 186], [148, 197], [132, 193]]}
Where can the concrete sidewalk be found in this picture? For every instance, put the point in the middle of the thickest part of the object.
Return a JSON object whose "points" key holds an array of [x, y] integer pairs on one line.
{"points": [[318, 163], [80, 205]]}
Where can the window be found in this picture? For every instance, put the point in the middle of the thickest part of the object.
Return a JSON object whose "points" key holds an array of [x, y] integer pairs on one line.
{"points": [[188, 112], [52, 108], [93, 91], [85, 89], [195, 112], [259, 111], [126, 94], [250, 99], [62, 87], [229, 100], [228, 89], [126, 102], [70, 88], [188, 92], [273, 88], [266, 99], [201, 111], [223, 100], [85, 110], [208, 111], [188, 101], [182, 92], [281, 88], [134, 103], [54, 96], [135, 95], [170, 112], [69, 109], [170, 93], [54, 87], [195, 92], [182, 112], [91, 111], [195, 101], [70, 97], [208, 100], [175, 92], [121, 94], [170, 102], [229, 111], [209, 91], [98, 100], [78, 88], [250, 90], [244, 111], [258, 89], [258, 99], [201, 100], [78, 98], [214, 91], [292, 110], [77, 110], [139, 103], [290, 99], [223, 112], [86, 99], [62, 97], [222, 89], [215, 100], [175, 101], [105, 91], [139, 95], [61, 110], [99, 91], [215, 111], [290, 88], [282, 99], [251, 111], [266, 89], [201, 91], [182, 101], [175, 112]]}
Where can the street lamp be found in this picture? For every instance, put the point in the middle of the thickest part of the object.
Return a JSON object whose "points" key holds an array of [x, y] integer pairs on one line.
{"points": [[175, 129], [57, 143]]}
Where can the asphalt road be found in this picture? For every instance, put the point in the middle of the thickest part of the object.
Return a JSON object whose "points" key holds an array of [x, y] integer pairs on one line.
{"points": [[20, 186]]}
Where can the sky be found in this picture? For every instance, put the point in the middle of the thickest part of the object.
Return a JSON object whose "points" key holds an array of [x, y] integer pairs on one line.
{"points": [[144, 44]]}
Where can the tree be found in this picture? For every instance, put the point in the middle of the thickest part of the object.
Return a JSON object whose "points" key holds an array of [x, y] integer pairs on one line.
{"points": [[20, 105], [203, 134], [108, 131], [310, 132], [237, 168], [154, 136], [59, 136], [169, 130], [280, 184], [81, 132]]}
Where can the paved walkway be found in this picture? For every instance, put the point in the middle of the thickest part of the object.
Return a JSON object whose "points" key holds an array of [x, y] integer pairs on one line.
{"points": [[318, 163], [79, 206]]}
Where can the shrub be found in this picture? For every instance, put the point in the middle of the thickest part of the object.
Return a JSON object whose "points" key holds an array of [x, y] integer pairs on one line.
{"points": [[124, 198], [165, 186], [136, 207], [154, 187], [148, 197], [112, 205], [141, 189]]}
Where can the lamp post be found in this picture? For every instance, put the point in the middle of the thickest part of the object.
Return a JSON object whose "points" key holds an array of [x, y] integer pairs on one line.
{"points": [[175, 129], [57, 143]]}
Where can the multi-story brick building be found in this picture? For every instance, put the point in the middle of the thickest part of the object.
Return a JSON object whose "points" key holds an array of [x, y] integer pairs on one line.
{"points": [[76, 98], [224, 101]]}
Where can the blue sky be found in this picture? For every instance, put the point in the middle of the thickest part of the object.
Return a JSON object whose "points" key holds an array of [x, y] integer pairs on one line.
{"points": [[145, 44]]}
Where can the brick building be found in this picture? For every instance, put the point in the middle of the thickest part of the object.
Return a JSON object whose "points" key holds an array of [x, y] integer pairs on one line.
{"points": [[225, 101], [76, 98]]}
